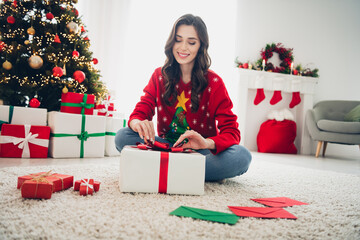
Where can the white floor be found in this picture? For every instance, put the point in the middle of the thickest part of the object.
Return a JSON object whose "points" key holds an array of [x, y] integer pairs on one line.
{"points": [[347, 164]]}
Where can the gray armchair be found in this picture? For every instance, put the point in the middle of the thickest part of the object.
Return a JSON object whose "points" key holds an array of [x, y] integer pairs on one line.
{"points": [[325, 123]]}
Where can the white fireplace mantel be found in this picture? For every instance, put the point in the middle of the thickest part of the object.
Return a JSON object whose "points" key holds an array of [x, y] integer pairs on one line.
{"points": [[251, 116]]}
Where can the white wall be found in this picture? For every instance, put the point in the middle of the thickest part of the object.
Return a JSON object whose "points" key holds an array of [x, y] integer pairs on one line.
{"points": [[323, 33]]}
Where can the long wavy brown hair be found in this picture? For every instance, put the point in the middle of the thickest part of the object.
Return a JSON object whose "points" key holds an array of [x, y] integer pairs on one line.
{"points": [[171, 69]]}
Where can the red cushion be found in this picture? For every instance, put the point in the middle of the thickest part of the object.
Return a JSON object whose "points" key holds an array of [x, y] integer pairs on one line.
{"points": [[277, 137]]}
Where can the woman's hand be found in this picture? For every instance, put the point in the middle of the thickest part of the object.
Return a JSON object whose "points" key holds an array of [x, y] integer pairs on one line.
{"points": [[145, 129], [195, 141]]}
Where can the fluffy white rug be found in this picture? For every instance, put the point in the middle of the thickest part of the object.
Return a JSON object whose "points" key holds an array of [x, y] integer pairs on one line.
{"points": [[333, 211]]}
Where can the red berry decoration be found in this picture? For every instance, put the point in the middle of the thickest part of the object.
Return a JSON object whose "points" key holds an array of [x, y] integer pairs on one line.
{"points": [[57, 39], [10, 19], [75, 54], [34, 103], [79, 76], [49, 16], [95, 61], [57, 72]]}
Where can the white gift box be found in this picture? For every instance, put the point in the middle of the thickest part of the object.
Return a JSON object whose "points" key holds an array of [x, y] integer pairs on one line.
{"points": [[112, 126], [66, 135], [143, 171], [24, 115]]}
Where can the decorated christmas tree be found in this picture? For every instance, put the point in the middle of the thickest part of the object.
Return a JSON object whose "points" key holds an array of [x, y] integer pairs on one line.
{"points": [[44, 51]]}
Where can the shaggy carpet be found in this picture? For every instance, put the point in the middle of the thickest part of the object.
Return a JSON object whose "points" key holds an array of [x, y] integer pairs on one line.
{"points": [[333, 211]]}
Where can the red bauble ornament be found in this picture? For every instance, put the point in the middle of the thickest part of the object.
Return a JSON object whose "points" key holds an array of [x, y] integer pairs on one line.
{"points": [[2, 45], [57, 72], [95, 61], [86, 39], [49, 16], [34, 103], [57, 39], [75, 54], [245, 65], [79, 76], [10, 19], [295, 72], [75, 11]]}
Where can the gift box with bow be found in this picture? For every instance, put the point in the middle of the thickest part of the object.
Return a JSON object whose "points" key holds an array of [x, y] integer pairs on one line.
{"points": [[77, 103], [105, 110], [43, 184], [96, 184], [86, 187], [75, 135], [161, 169], [60, 181], [24, 141]]}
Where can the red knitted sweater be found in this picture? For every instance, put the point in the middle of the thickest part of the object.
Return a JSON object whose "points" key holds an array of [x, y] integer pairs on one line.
{"points": [[214, 119]]}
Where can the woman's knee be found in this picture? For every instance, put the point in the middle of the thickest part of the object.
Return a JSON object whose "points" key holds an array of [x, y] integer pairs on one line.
{"points": [[243, 157], [123, 137]]}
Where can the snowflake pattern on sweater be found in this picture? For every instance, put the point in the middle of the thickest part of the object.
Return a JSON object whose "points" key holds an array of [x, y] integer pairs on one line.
{"points": [[214, 118]]}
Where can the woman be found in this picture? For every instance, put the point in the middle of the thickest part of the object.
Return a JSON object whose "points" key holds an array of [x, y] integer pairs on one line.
{"points": [[193, 106]]}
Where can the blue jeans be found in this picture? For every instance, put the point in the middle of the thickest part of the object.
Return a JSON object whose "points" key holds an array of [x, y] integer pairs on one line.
{"points": [[232, 162]]}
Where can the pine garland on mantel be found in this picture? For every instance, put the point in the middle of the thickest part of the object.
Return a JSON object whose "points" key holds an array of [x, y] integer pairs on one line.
{"points": [[285, 67]]}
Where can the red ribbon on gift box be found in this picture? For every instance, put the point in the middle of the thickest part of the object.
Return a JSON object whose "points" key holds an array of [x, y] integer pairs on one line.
{"points": [[159, 146], [164, 160]]}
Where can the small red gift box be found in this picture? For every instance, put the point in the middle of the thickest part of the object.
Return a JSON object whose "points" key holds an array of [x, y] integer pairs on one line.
{"points": [[105, 109], [77, 103], [86, 187], [78, 182], [24, 141], [39, 188], [59, 181]]}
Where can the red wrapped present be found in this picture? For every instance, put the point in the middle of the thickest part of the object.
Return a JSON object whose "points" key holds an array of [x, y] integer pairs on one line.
{"points": [[78, 182], [86, 187], [37, 188], [59, 181], [24, 141], [105, 109], [77, 103]]}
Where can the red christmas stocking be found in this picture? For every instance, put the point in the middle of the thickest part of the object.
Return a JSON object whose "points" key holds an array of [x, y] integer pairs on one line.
{"points": [[276, 97], [295, 99], [260, 96]]}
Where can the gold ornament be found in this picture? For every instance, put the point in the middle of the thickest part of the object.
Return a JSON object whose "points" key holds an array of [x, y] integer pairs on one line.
{"points": [[65, 90], [64, 69], [27, 42], [31, 31], [73, 27], [250, 66], [7, 65], [35, 62]]}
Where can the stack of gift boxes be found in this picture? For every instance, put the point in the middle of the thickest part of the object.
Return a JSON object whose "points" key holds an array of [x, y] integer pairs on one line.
{"points": [[80, 129]]}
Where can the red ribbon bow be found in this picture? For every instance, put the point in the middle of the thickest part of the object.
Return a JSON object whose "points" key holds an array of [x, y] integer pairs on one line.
{"points": [[159, 146]]}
